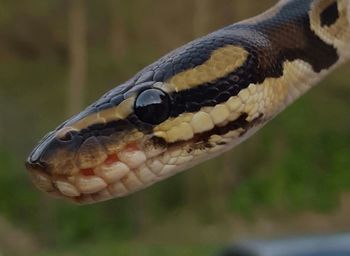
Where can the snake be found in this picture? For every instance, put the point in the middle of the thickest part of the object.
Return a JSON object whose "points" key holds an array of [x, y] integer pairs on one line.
{"points": [[194, 103]]}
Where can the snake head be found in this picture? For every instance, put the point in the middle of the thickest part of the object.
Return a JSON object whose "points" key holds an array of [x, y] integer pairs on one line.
{"points": [[106, 151], [193, 104]]}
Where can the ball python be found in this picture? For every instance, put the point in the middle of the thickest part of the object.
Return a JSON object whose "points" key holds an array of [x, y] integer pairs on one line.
{"points": [[193, 104]]}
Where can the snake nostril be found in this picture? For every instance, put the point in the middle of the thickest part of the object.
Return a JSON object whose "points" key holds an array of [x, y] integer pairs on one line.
{"points": [[35, 165]]}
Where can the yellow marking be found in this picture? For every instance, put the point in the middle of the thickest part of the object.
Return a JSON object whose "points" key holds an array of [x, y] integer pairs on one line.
{"points": [[63, 132], [181, 132], [219, 114], [234, 103], [202, 122], [268, 98], [86, 122], [122, 111], [222, 62], [233, 134], [125, 108], [161, 134], [244, 95], [252, 89], [170, 123], [234, 116]]}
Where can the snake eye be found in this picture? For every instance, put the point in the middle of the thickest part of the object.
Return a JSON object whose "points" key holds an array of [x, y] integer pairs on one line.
{"points": [[152, 106]]}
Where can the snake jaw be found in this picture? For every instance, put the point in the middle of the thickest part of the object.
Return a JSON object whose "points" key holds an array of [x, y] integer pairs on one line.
{"points": [[93, 169]]}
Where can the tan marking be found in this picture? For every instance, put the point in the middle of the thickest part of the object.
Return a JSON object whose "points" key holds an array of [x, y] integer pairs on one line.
{"points": [[133, 136], [66, 167], [107, 115], [337, 34], [113, 144], [222, 62]]}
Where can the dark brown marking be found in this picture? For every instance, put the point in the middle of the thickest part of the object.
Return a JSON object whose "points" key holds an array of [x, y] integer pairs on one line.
{"points": [[330, 15]]}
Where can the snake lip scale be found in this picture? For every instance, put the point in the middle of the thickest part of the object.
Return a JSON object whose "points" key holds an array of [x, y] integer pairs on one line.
{"points": [[193, 104]]}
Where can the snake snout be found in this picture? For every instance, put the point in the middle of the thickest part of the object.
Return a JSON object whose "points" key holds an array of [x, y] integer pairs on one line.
{"points": [[40, 177], [54, 155]]}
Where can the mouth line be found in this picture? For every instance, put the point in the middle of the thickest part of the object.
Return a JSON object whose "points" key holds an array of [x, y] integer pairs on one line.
{"points": [[116, 177]]}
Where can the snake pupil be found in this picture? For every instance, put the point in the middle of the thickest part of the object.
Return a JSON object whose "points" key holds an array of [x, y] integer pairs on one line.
{"points": [[152, 106]]}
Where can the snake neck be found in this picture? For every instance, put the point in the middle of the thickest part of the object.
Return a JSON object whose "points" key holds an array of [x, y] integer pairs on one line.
{"points": [[329, 20]]}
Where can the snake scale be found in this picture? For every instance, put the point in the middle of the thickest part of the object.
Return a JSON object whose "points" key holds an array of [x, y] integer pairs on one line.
{"points": [[193, 104]]}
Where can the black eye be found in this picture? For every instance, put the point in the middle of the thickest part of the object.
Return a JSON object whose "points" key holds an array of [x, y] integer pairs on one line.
{"points": [[152, 106]]}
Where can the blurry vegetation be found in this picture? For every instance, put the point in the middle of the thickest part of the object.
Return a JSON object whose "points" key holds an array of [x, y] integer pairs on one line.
{"points": [[299, 162]]}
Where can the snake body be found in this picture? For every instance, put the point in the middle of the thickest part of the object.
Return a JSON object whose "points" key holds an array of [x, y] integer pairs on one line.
{"points": [[194, 103]]}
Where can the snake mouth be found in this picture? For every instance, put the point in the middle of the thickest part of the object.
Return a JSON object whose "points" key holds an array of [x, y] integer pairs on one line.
{"points": [[118, 174]]}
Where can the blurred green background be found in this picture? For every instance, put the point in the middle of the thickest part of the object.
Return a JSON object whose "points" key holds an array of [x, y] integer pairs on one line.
{"points": [[57, 56]]}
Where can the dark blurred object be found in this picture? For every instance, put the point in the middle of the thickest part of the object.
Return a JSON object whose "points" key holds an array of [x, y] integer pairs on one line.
{"points": [[331, 245]]}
